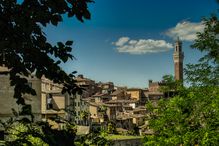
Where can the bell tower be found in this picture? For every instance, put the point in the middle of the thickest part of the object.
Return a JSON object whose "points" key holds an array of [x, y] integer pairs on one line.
{"points": [[178, 57]]}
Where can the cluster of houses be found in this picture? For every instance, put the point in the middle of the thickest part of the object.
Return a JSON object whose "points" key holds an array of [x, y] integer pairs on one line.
{"points": [[108, 103], [99, 103], [103, 102]]}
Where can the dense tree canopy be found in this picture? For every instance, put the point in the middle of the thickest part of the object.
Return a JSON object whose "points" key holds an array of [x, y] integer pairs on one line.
{"points": [[170, 86], [192, 117], [25, 50], [206, 72], [24, 47]]}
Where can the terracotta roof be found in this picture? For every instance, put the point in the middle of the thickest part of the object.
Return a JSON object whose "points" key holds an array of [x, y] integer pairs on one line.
{"points": [[100, 104], [133, 89], [137, 116], [116, 92], [99, 94], [123, 117], [139, 109], [122, 101], [153, 93]]}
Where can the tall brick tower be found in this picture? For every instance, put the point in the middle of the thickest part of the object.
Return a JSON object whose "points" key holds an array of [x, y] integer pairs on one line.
{"points": [[178, 57]]}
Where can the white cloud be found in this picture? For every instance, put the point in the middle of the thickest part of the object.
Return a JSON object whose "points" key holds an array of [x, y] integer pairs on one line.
{"points": [[121, 41], [186, 30], [141, 46]]}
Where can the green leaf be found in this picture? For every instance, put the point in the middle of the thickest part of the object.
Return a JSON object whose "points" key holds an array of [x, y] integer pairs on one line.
{"points": [[69, 43]]}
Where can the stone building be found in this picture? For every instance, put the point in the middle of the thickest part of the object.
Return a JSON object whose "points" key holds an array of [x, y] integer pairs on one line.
{"points": [[8, 102], [53, 102], [89, 86], [134, 93], [154, 86], [48, 102], [100, 97], [118, 95], [178, 57], [80, 104], [106, 88], [99, 116]]}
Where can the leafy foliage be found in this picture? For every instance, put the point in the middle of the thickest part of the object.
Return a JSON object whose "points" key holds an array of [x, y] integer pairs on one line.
{"points": [[25, 51], [191, 117], [111, 128], [24, 48], [188, 119], [23, 132], [84, 115], [206, 72], [170, 85], [93, 139]]}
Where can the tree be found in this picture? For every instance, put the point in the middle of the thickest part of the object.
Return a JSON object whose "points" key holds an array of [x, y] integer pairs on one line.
{"points": [[22, 132], [191, 117], [170, 85], [84, 115], [24, 48], [93, 139], [102, 111], [111, 127], [206, 72], [25, 51]]}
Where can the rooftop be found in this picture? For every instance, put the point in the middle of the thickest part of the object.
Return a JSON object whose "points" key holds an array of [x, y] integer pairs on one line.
{"points": [[122, 137], [133, 89], [117, 92], [122, 101]]}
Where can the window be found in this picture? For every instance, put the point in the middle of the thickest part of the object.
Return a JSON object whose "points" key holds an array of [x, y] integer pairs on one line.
{"points": [[49, 104], [176, 49], [51, 87]]}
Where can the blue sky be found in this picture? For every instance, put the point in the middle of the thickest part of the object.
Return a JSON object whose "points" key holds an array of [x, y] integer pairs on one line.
{"points": [[129, 42]]}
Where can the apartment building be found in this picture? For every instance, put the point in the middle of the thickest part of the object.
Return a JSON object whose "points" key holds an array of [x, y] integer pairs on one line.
{"points": [[48, 102]]}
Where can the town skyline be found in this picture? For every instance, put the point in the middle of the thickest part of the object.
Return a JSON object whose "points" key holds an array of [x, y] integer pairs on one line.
{"points": [[130, 43]]}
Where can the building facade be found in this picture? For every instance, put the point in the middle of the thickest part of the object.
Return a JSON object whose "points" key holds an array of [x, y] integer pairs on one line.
{"points": [[8, 105], [47, 103]]}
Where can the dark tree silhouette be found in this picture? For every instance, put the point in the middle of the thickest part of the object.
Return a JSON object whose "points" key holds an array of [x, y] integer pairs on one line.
{"points": [[25, 51], [24, 48]]}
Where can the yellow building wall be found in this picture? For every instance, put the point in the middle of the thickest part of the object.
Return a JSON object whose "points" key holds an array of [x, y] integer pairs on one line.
{"points": [[59, 102], [134, 94], [93, 110], [43, 102]]}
